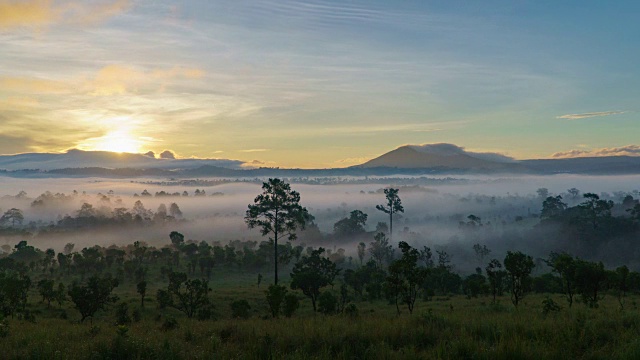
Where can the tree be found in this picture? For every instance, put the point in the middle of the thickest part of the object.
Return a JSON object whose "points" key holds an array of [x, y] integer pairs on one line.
{"points": [[183, 294], [353, 225], [482, 251], [590, 279], [177, 239], [13, 216], [496, 275], [574, 193], [174, 210], [595, 209], [47, 291], [361, 252], [543, 193], [380, 249], [14, 288], [565, 265], [404, 277], [552, 207], [518, 266], [278, 213], [142, 290], [620, 282], [393, 206], [93, 296], [312, 273]]}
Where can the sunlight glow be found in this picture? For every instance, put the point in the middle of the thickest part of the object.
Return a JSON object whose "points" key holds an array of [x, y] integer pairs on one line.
{"points": [[116, 141]]}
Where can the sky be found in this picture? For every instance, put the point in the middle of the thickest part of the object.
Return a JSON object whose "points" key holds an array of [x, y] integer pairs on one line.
{"points": [[316, 84]]}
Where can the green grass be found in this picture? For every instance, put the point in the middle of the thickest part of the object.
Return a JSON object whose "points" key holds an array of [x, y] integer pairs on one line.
{"points": [[444, 328]]}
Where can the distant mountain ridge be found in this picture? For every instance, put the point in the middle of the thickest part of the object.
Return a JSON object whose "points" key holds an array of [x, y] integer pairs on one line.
{"points": [[430, 159], [441, 156], [104, 159]]}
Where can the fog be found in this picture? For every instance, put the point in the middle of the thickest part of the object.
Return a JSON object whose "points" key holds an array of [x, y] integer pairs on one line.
{"points": [[508, 207]]}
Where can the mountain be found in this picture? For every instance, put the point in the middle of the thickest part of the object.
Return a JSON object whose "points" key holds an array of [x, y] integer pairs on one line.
{"points": [[442, 156], [605, 165], [105, 159], [418, 160]]}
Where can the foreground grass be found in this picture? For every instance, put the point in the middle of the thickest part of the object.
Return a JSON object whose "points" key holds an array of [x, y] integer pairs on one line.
{"points": [[445, 328]]}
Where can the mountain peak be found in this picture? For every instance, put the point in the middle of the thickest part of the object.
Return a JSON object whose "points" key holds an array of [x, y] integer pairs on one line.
{"points": [[441, 155]]}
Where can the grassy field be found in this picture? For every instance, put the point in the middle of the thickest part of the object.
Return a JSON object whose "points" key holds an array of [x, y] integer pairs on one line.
{"points": [[443, 328]]}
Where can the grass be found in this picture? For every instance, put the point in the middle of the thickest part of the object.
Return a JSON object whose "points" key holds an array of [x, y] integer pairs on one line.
{"points": [[444, 328]]}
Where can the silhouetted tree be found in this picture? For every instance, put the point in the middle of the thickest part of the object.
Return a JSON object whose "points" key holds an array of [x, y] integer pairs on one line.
{"points": [[278, 213], [552, 207], [93, 296], [312, 273], [380, 249], [393, 206], [591, 278], [404, 277], [496, 275], [12, 216], [183, 294], [353, 225], [141, 287], [518, 266], [565, 265], [361, 252]]}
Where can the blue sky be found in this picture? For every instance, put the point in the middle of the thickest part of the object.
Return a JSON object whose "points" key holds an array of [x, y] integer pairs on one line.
{"points": [[319, 83]]}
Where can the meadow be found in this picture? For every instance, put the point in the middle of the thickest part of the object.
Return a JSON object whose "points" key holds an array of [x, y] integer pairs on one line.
{"points": [[446, 327]]}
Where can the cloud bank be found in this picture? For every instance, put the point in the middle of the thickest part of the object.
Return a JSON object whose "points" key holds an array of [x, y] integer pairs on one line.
{"points": [[445, 149], [628, 150]]}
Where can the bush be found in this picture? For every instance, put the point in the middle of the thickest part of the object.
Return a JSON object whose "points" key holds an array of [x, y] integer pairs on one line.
{"points": [[275, 297], [327, 303], [169, 324], [351, 310], [240, 309], [548, 305], [122, 314], [291, 304], [206, 313], [136, 315], [4, 328]]}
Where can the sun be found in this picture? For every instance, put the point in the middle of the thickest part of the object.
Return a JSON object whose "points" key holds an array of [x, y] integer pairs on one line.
{"points": [[119, 141]]}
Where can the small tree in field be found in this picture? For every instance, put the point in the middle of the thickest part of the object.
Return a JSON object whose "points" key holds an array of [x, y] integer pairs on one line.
{"points": [[393, 206], [278, 213], [518, 266], [312, 273], [93, 296], [142, 290], [495, 274], [186, 295], [565, 265], [405, 276]]}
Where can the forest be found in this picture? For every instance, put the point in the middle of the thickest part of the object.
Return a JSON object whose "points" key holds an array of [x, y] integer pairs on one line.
{"points": [[547, 275]]}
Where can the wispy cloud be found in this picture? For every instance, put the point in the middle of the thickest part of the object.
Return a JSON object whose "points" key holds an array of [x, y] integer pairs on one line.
{"points": [[253, 150], [589, 115], [628, 150], [38, 14]]}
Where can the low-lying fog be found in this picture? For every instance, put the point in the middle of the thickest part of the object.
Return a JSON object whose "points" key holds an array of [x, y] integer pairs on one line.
{"points": [[507, 206]]}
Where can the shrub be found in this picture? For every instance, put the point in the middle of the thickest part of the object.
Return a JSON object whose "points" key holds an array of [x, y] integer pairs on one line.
{"points": [[169, 324], [548, 306], [351, 310], [122, 314], [327, 303], [206, 313], [136, 314], [275, 297], [240, 309], [291, 304], [4, 328]]}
